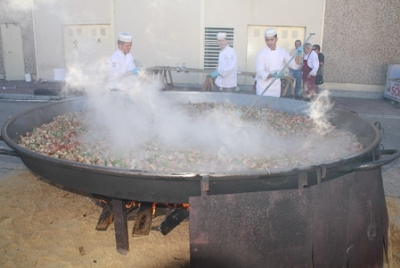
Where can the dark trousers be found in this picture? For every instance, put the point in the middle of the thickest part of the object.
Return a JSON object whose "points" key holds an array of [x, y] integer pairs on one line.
{"points": [[297, 76]]}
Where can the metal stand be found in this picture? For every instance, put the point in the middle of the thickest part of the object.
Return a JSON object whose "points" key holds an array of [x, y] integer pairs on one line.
{"points": [[341, 222], [120, 226]]}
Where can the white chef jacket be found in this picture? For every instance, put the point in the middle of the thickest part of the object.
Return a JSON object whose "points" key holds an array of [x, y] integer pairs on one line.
{"points": [[312, 62], [227, 68], [270, 61], [119, 64]]}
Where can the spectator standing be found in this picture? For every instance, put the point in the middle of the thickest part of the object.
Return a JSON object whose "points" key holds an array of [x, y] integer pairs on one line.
{"points": [[296, 73], [320, 74], [310, 69]]}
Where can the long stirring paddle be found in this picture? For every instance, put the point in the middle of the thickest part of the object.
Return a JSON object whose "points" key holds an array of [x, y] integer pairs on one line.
{"points": [[273, 80]]}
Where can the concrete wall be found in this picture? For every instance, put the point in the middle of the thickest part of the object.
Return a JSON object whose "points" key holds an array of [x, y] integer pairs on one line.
{"points": [[240, 15], [165, 33], [49, 18], [171, 32], [360, 39]]}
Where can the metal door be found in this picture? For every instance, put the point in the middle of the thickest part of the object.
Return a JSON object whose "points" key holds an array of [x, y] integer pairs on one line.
{"points": [[12, 52]]}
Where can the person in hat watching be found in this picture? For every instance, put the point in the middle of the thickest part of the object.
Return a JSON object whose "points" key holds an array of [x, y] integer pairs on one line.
{"points": [[121, 62], [226, 74], [270, 62]]}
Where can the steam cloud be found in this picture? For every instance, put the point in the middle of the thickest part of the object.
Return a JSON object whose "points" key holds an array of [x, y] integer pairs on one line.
{"points": [[141, 115], [319, 112]]}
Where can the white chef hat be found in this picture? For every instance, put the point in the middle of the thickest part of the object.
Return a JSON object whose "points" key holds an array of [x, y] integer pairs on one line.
{"points": [[269, 32], [221, 36], [125, 37]]}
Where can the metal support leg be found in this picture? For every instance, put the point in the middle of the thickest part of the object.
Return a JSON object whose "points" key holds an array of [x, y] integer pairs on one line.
{"points": [[170, 78], [120, 226]]}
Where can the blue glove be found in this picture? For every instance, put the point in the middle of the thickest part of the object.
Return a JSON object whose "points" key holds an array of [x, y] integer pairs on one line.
{"points": [[277, 75], [300, 50], [135, 71], [214, 74]]}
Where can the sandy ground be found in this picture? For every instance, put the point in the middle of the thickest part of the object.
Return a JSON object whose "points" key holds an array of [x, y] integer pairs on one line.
{"points": [[44, 226]]}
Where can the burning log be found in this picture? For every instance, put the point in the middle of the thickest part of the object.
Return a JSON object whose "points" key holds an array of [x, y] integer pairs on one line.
{"points": [[143, 219], [173, 219], [105, 219], [107, 216]]}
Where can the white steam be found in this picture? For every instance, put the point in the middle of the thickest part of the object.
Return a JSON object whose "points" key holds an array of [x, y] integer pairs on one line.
{"points": [[141, 122], [140, 115], [318, 112]]}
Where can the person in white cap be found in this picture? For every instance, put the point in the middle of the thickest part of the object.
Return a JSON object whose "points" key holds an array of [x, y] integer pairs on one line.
{"points": [[121, 62], [269, 65], [226, 73]]}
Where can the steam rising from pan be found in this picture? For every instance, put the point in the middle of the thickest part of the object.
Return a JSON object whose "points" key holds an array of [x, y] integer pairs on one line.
{"points": [[142, 116]]}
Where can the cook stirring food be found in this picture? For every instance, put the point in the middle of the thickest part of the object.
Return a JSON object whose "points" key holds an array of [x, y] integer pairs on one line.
{"points": [[121, 62], [270, 62]]}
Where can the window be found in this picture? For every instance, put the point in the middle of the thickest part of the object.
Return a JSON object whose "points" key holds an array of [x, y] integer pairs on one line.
{"points": [[211, 48]]}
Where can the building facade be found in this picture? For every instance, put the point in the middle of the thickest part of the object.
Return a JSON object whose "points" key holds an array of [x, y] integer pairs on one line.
{"points": [[358, 38]]}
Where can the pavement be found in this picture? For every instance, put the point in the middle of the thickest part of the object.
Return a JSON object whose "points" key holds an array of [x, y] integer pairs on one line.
{"points": [[17, 96]]}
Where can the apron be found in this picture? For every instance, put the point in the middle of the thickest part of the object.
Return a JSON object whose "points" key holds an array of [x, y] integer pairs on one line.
{"points": [[308, 83]]}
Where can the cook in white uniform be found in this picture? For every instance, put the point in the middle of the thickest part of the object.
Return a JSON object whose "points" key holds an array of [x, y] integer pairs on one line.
{"points": [[226, 73], [269, 64], [121, 62]]}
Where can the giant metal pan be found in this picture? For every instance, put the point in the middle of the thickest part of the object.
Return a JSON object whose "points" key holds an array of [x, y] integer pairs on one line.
{"points": [[149, 186]]}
